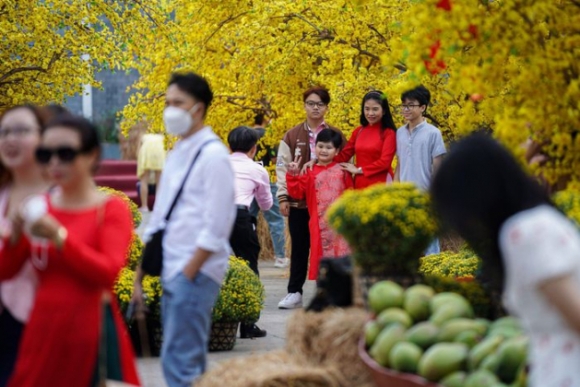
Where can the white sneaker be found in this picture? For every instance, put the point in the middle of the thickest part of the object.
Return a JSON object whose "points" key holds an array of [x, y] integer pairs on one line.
{"points": [[281, 263], [291, 301]]}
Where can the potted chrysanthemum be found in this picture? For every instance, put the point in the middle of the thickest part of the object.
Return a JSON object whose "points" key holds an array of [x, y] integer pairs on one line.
{"points": [[240, 300]]}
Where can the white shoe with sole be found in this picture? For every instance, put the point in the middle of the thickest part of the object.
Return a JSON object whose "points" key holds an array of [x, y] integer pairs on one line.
{"points": [[281, 263], [291, 301]]}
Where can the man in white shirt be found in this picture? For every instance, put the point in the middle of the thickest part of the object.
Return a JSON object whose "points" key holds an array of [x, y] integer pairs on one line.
{"points": [[251, 181], [195, 245]]}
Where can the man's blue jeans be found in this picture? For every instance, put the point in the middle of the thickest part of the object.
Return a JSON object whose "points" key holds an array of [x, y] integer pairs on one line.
{"points": [[433, 248], [186, 308], [275, 223]]}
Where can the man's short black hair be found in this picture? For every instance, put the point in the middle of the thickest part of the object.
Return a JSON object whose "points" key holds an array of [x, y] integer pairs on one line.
{"points": [[419, 94], [243, 139], [329, 135], [320, 91], [195, 85]]}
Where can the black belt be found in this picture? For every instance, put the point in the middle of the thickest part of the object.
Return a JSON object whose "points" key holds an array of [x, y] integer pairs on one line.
{"points": [[242, 207]]}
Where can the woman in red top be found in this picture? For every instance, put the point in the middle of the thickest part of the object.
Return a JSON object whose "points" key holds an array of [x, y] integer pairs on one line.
{"points": [[77, 239], [373, 144]]}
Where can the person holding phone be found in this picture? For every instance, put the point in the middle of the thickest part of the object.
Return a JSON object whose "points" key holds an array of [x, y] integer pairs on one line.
{"points": [[77, 239], [21, 128]]}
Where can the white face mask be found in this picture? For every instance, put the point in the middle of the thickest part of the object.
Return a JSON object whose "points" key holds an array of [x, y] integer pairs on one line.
{"points": [[178, 121]]}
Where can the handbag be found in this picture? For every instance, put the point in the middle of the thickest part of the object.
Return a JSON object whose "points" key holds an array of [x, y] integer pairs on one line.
{"points": [[333, 285], [152, 256]]}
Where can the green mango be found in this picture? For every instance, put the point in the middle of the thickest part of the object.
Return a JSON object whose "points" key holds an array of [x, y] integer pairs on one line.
{"points": [[490, 363], [423, 334], [451, 310], [417, 306], [372, 330], [456, 379], [405, 356], [388, 337], [469, 338], [481, 378], [512, 354], [440, 299], [420, 289], [505, 332], [385, 294], [394, 315], [450, 329], [482, 350], [508, 321], [442, 359]]}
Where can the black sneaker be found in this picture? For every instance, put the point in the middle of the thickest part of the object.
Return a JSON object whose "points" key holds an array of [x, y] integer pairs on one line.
{"points": [[250, 331]]}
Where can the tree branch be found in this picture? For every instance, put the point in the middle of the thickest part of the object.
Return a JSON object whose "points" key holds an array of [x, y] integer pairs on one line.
{"points": [[3, 78], [301, 17], [373, 28], [223, 23]]}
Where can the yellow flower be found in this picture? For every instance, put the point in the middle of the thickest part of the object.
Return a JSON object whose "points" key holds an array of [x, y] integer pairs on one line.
{"points": [[387, 226]]}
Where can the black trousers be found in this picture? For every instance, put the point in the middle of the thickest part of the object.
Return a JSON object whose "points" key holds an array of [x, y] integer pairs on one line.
{"points": [[300, 235], [244, 239], [10, 334]]}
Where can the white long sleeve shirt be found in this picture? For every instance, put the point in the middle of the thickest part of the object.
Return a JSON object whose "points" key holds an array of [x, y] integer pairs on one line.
{"points": [[205, 212]]}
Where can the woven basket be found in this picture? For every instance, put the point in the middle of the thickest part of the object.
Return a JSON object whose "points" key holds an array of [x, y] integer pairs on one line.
{"points": [[223, 336]]}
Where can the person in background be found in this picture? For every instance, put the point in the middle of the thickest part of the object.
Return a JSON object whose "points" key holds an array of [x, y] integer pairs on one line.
{"points": [[420, 146], [150, 161], [321, 186], [21, 129], [196, 245], [275, 220], [373, 144], [251, 182], [300, 141], [530, 251], [77, 239]]}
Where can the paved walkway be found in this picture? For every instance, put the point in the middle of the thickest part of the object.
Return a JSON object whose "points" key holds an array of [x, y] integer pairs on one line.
{"points": [[272, 319]]}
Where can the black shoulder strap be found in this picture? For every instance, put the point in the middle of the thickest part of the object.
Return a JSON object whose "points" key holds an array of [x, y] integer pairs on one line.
{"points": [[185, 178]]}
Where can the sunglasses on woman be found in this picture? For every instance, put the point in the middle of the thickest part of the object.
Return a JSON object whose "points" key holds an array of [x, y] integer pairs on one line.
{"points": [[65, 154]]}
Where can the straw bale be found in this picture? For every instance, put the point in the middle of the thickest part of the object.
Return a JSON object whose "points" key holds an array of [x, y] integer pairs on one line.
{"points": [[330, 338], [272, 369]]}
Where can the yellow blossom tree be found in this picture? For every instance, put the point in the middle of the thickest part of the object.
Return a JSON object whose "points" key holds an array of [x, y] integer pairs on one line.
{"points": [[261, 56], [508, 65], [44, 43]]}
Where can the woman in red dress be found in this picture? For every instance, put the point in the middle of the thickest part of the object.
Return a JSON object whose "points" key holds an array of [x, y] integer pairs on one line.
{"points": [[373, 144], [78, 240]]}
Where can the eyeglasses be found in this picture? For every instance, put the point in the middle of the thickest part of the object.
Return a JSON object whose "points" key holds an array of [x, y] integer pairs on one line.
{"points": [[312, 104], [65, 154], [407, 107], [18, 131]]}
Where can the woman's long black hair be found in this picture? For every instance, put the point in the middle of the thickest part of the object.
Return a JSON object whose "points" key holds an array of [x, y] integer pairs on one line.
{"points": [[387, 119], [477, 188]]}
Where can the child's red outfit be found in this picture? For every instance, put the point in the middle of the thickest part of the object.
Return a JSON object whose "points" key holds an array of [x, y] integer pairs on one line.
{"points": [[321, 186], [374, 150]]}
